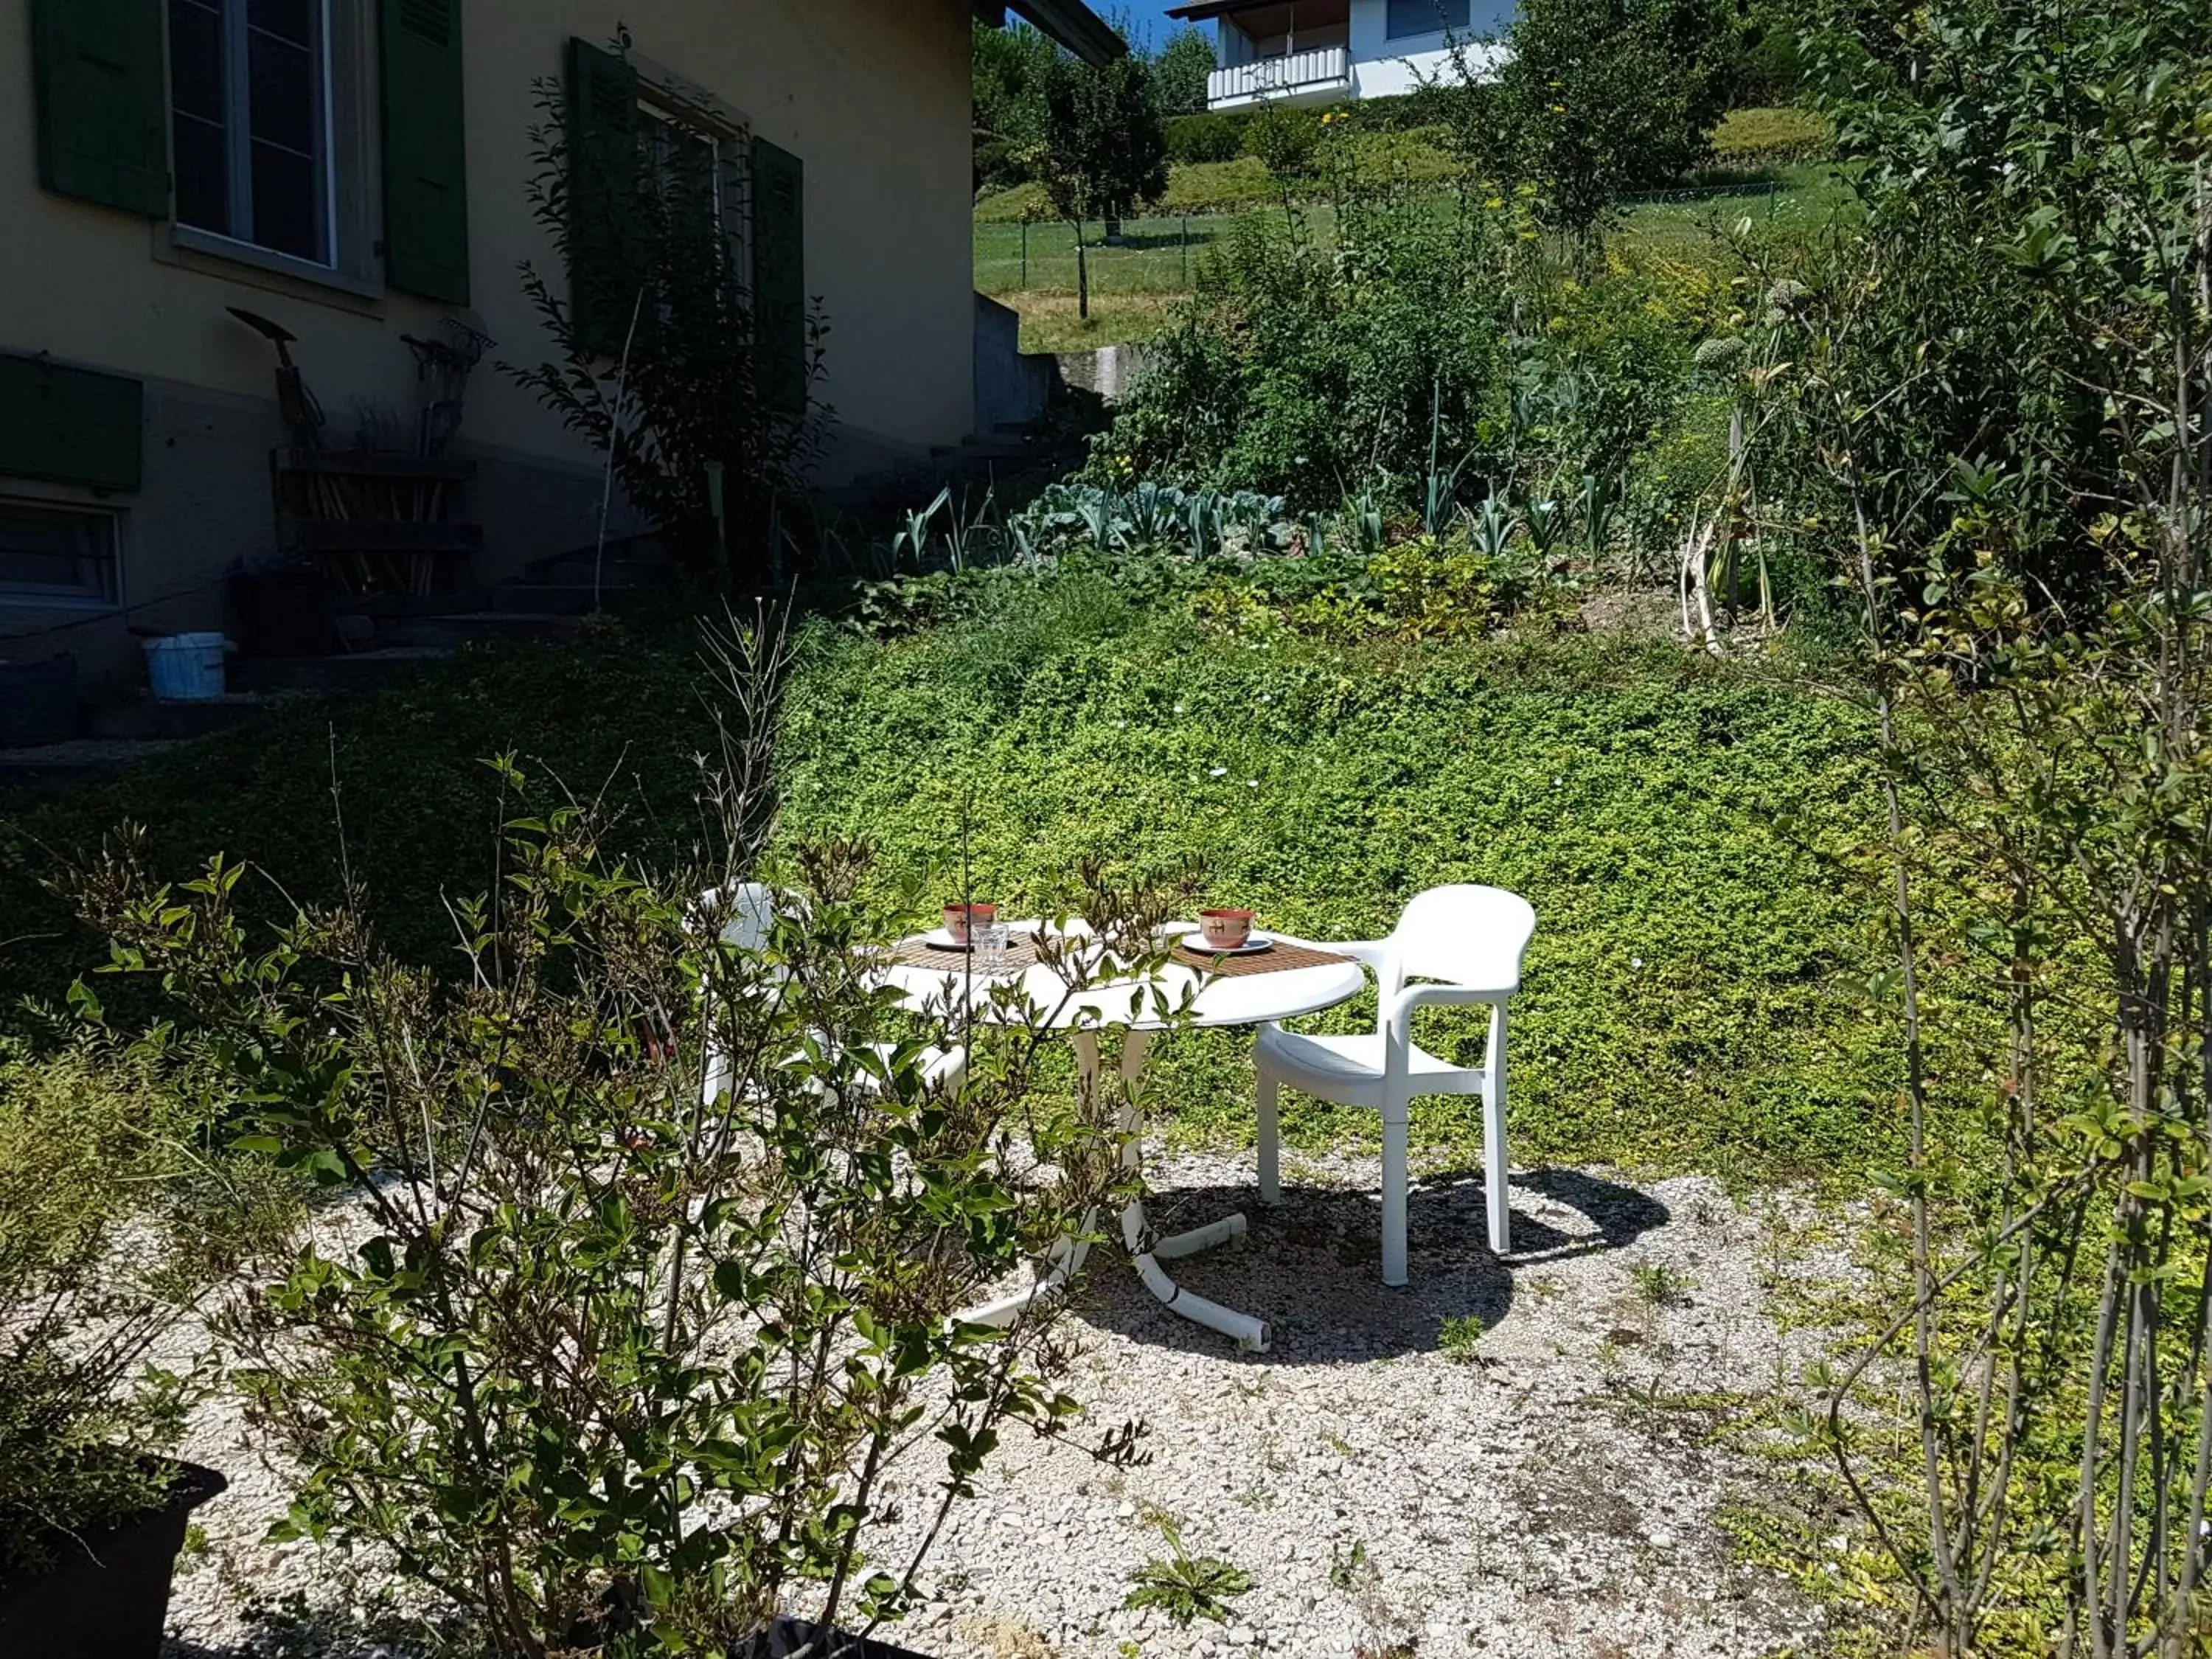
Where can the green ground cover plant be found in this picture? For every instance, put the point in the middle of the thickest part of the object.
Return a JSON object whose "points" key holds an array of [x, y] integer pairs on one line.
{"points": [[1681, 1010]]}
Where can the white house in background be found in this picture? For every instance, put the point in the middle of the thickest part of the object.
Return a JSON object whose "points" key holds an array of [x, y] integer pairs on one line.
{"points": [[1319, 51]]}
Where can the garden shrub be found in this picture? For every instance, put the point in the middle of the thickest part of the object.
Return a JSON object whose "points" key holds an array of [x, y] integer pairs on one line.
{"points": [[646, 1282], [1419, 355], [661, 359], [1748, 138], [1284, 139], [1310, 374], [1208, 137], [112, 1223]]}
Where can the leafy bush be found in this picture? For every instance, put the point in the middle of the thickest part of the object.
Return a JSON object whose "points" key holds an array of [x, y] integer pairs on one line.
{"points": [[1285, 139], [662, 363], [1305, 372], [1595, 98], [112, 1225], [1749, 138], [1208, 137], [655, 1236], [1421, 356], [1995, 395]]}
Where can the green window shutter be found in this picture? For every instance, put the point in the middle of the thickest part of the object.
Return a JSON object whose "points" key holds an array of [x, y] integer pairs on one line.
{"points": [[102, 88], [71, 425], [603, 182], [780, 274], [426, 172]]}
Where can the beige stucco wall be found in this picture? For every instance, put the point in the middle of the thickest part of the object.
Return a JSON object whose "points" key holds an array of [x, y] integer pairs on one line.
{"points": [[872, 94]]}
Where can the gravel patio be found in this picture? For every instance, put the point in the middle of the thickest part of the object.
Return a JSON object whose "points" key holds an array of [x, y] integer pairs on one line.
{"points": [[1555, 1494]]}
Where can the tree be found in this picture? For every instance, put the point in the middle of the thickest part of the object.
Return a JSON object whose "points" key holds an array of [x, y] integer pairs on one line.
{"points": [[1106, 150], [1181, 72], [1595, 98], [2002, 369], [1009, 69]]}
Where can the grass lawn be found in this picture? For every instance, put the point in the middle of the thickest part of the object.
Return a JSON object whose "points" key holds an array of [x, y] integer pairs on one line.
{"points": [[1746, 140], [1133, 287], [1682, 1011]]}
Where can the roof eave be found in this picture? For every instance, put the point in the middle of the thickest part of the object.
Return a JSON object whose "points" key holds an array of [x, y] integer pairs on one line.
{"points": [[1071, 22]]}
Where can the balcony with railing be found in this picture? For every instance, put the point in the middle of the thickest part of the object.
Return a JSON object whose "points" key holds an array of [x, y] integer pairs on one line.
{"points": [[1310, 75]]}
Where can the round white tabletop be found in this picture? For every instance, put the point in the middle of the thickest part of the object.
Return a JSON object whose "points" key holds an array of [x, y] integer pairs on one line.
{"points": [[1141, 1007], [1244, 999]]}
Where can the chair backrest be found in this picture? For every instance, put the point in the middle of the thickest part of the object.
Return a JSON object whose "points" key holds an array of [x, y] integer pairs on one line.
{"points": [[1463, 935], [751, 913]]}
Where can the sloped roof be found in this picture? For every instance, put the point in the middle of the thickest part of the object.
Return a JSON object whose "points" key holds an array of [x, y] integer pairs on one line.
{"points": [[1071, 22]]}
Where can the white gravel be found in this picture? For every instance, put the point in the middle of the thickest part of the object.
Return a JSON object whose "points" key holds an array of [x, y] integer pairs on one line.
{"points": [[1559, 1495]]}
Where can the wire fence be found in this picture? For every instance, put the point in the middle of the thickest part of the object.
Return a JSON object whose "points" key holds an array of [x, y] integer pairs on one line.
{"points": [[1160, 254], [1163, 254]]}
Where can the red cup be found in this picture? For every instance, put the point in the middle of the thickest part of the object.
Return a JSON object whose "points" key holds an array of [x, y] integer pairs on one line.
{"points": [[1225, 930], [958, 918]]}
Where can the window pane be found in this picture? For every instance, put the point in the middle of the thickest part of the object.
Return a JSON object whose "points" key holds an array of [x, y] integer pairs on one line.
{"points": [[1425, 16], [198, 131], [51, 550], [284, 102], [289, 20], [195, 58], [203, 169], [284, 212]]}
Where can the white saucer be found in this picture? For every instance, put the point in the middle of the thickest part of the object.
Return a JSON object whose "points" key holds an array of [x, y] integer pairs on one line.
{"points": [[1195, 942], [942, 940]]}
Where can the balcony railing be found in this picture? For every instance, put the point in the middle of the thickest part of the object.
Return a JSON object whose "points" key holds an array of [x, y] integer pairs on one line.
{"points": [[1319, 69]]}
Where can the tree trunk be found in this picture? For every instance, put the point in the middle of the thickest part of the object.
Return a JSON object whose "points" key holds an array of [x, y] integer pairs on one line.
{"points": [[1082, 276]]}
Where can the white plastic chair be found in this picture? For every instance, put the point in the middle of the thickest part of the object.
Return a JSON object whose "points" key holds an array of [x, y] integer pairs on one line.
{"points": [[1469, 941], [752, 916]]}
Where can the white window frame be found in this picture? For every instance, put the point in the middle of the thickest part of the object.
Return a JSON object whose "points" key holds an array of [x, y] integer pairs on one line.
{"points": [[238, 132], [353, 186], [665, 96]]}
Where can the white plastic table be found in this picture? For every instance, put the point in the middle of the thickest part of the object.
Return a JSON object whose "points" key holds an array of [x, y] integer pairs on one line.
{"points": [[1244, 999]]}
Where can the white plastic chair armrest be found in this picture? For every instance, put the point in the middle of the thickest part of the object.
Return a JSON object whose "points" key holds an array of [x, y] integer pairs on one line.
{"points": [[1421, 996], [1398, 1019]]}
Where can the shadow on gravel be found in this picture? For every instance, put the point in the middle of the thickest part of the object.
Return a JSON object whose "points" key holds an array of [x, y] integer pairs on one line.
{"points": [[1313, 1267]]}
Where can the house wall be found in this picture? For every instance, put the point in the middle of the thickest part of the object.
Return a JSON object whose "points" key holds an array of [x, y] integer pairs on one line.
{"points": [[1386, 67], [873, 95]]}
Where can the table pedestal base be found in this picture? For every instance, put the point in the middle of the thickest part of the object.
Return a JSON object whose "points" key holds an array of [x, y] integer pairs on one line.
{"points": [[1068, 1259]]}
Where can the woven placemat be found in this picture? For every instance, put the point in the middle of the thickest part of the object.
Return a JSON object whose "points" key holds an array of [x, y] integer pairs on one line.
{"points": [[1279, 958], [1021, 953]]}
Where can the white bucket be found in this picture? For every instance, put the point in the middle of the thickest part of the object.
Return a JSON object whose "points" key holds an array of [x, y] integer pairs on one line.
{"points": [[185, 667]]}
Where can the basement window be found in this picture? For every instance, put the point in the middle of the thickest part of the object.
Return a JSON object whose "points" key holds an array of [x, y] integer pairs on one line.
{"points": [[57, 555]]}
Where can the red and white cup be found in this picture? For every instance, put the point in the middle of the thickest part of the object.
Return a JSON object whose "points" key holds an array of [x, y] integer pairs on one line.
{"points": [[1225, 930], [960, 917]]}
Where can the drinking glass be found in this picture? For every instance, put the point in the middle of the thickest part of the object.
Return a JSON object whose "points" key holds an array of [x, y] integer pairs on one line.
{"points": [[990, 940]]}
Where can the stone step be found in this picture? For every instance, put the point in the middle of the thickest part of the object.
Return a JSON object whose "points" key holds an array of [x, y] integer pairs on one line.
{"points": [[616, 573], [478, 627], [641, 551], [384, 606], [146, 721], [360, 671], [56, 765], [571, 598]]}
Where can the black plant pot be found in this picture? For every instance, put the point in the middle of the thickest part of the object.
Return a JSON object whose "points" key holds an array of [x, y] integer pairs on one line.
{"points": [[38, 702], [792, 1636], [291, 612], [108, 1595]]}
